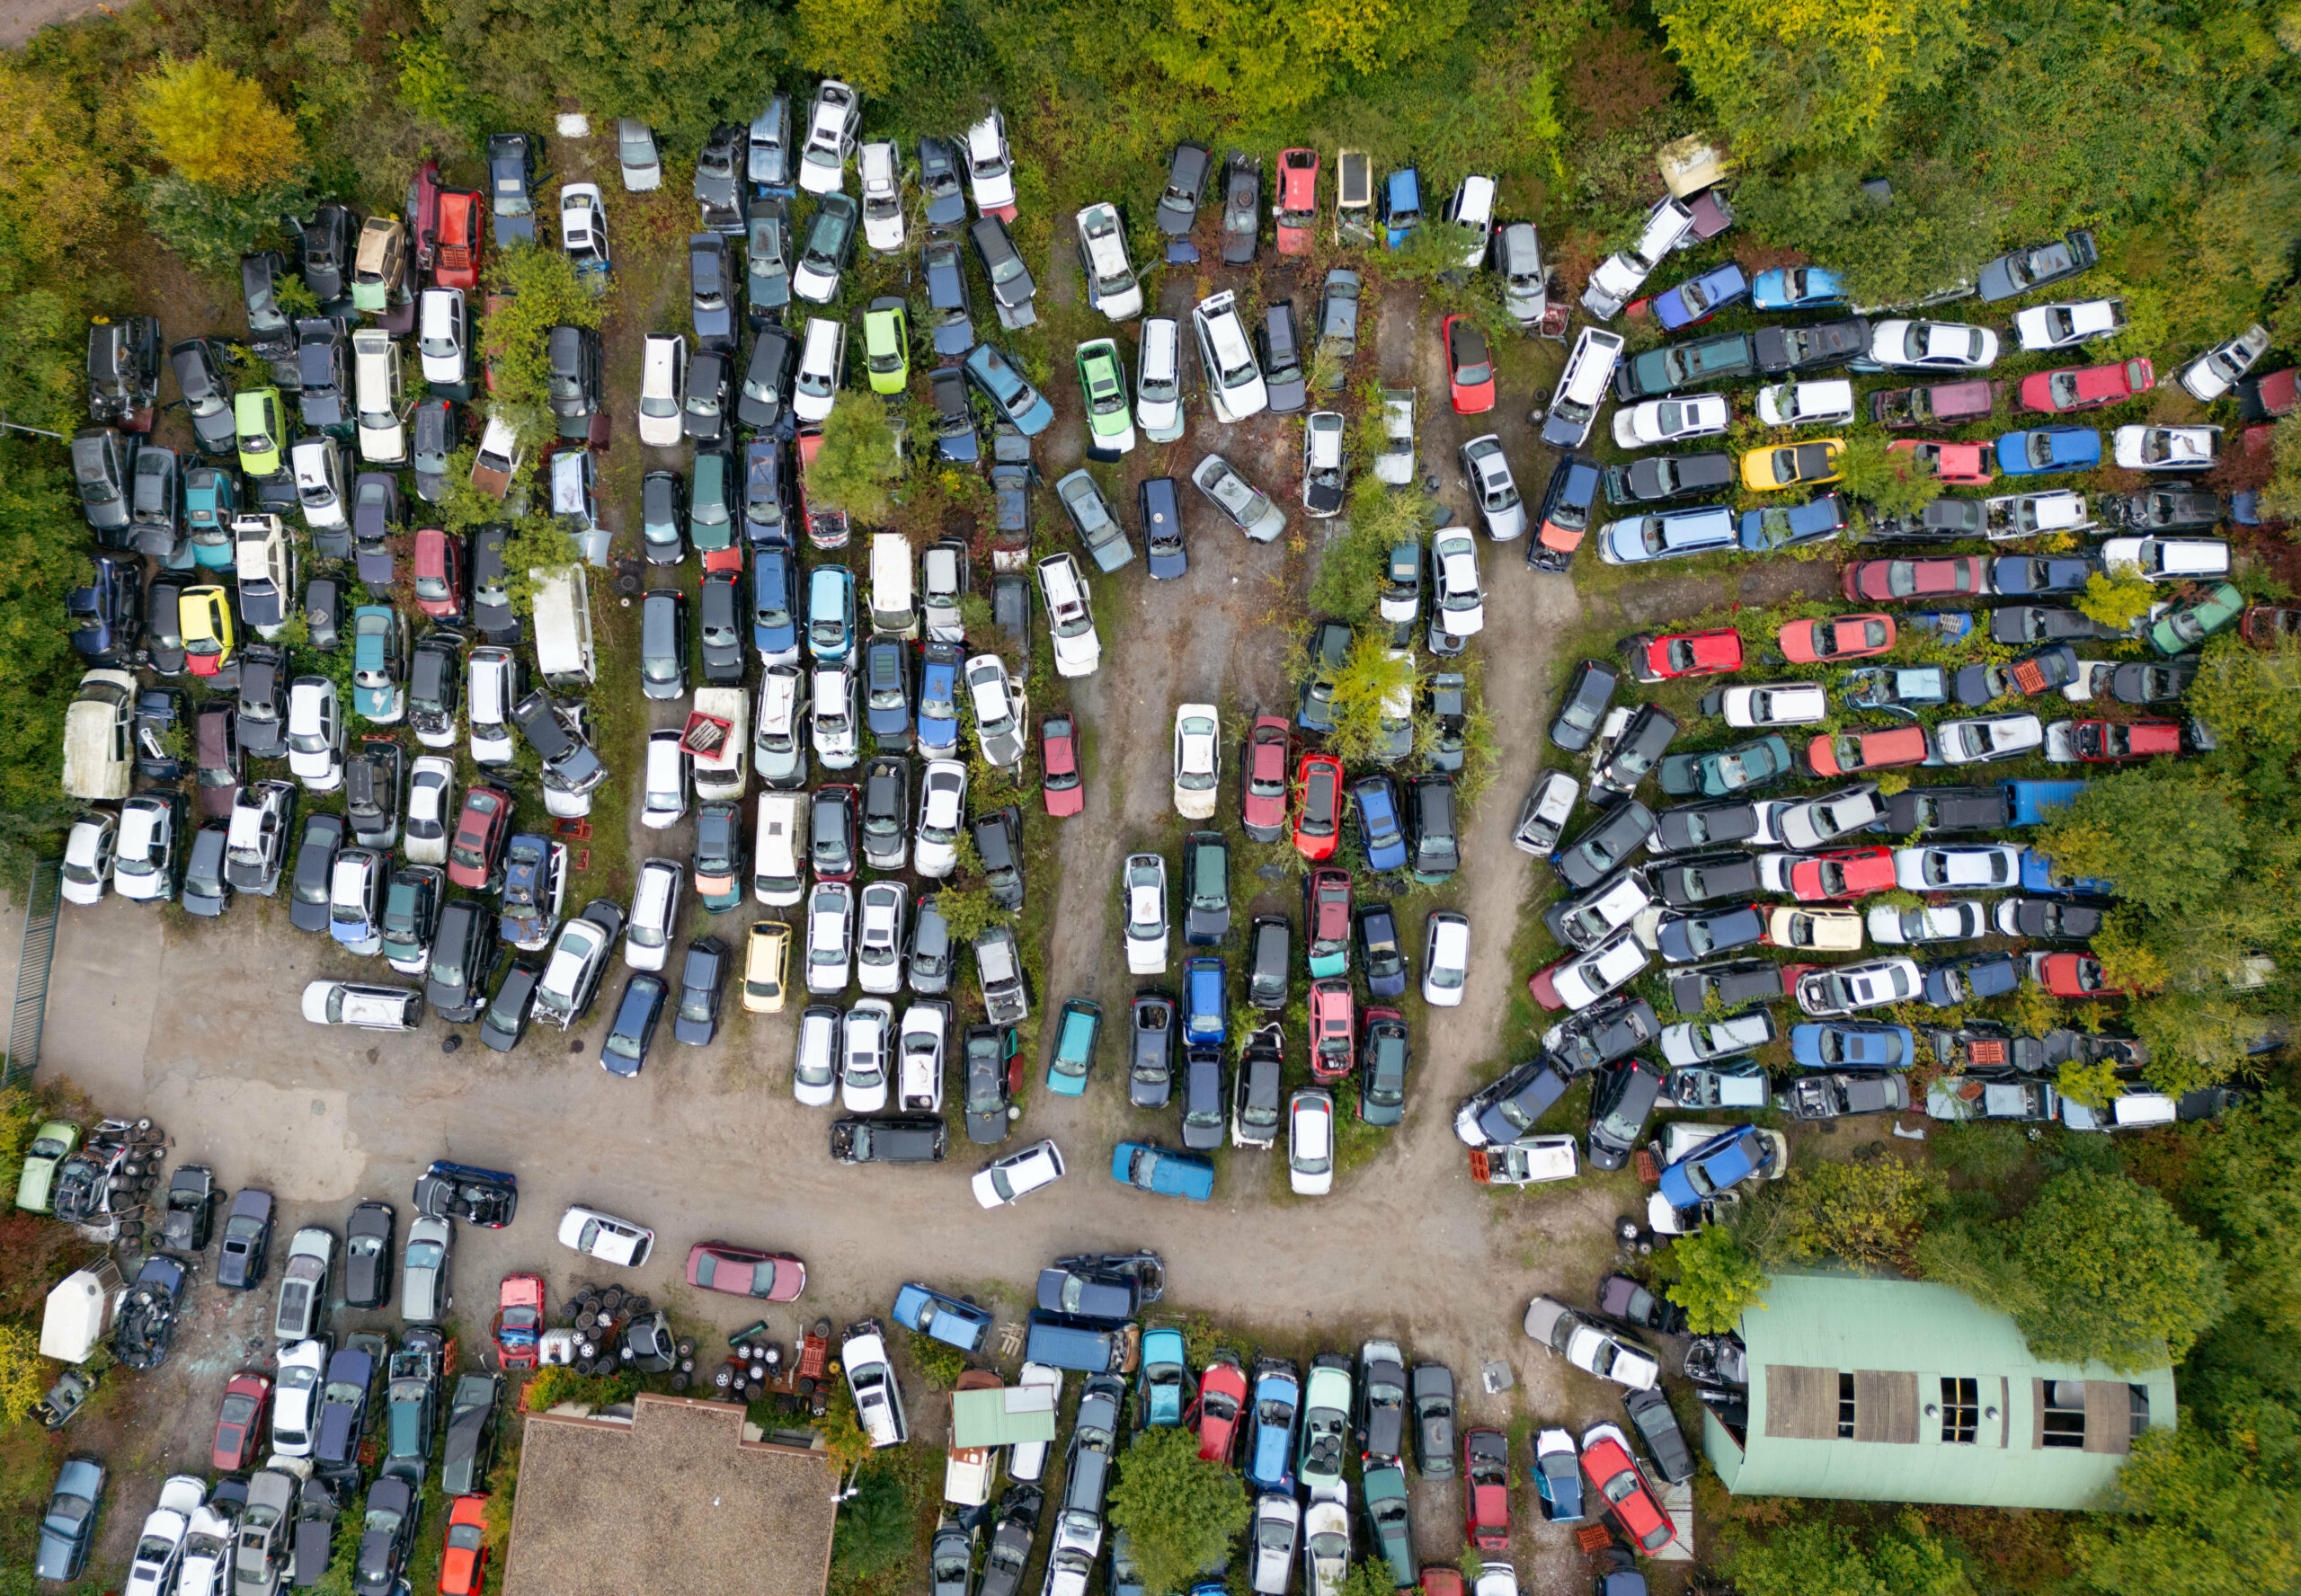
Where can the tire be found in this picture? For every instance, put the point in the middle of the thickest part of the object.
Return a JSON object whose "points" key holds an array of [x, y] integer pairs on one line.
{"points": [[635, 1306], [585, 1320], [679, 1382], [685, 1347]]}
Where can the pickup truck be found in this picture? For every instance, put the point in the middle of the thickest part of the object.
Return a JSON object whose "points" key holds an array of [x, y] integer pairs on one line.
{"points": [[1524, 1162]]}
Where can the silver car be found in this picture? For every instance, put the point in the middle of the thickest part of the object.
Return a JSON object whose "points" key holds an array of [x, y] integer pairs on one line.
{"points": [[1247, 508], [1493, 488], [304, 1285], [424, 1298]]}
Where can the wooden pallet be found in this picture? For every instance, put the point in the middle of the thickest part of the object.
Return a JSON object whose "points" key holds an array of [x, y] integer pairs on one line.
{"points": [[1592, 1538]]}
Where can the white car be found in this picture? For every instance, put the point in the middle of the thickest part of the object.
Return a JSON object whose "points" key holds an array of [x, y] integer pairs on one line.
{"points": [[1777, 703], [2067, 325], [1310, 1143], [1394, 459], [296, 1397], [1586, 977], [1848, 988], [822, 364], [1326, 465], [654, 915], [835, 716], [1932, 346], [663, 795], [833, 120], [1143, 882], [1198, 761], [1326, 1547], [1235, 389], [431, 810], [871, 1381], [1652, 421], [602, 1236], [1697, 1041], [1800, 404], [1071, 619], [583, 231], [1112, 286], [814, 1063], [1026, 1459], [1816, 823], [1961, 919], [991, 167], [439, 340], [878, 937], [2214, 372], [881, 165], [316, 742], [918, 1070], [319, 483], [2166, 449], [159, 1548], [2028, 514], [1980, 739], [1277, 1524], [1494, 1579], [1445, 958], [143, 865], [831, 936], [1619, 276], [88, 853], [942, 812], [1460, 606], [380, 397], [997, 712], [1018, 1174], [636, 152], [662, 388], [1496, 492], [2167, 559], [1244, 506], [1558, 1328], [1961, 867], [209, 1537], [1158, 380], [865, 1036]]}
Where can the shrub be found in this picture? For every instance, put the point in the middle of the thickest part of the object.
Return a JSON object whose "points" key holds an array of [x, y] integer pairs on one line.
{"points": [[941, 1362], [217, 128], [1716, 1280], [2117, 598], [856, 463], [212, 228]]}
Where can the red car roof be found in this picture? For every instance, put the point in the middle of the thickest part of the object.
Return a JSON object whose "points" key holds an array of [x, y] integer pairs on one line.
{"points": [[1850, 640], [1216, 1431], [1617, 1479], [1707, 653], [1852, 873]]}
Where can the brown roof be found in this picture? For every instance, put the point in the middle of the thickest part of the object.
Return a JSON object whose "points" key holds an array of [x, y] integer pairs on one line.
{"points": [[673, 1503]]}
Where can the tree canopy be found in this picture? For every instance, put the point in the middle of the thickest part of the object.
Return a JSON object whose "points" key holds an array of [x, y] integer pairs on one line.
{"points": [[1179, 1515], [215, 127]]}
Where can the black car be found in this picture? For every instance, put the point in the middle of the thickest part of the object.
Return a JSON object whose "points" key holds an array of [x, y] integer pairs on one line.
{"points": [[725, 637], [307, 897], [1162, 528], [376, 520], [1433, 849], [511, 179], [1637, 751], [1206, 1101], [998, 841], [1188, 170], [1603, 846], [1683, 882], [1267, 942], [156, 503], [1278, 346], [1815, 346], [190, 1213], [1011, 288], [939, 182], [2162, 507], [469, 1453], [164, 648], [703, 977], [1010, 1541], [766, 396], [1943, 520], [506, 1020], [989, 1057], [202, 369], [1588, 692], [955, 440], [2157, 682], [462, 953], [663, 518], [2045, 623], [886, 812], [767, 513], [575, 358], [1620, 1106], [246, 1250], [1509, 1106], [1706, 824], [1658, 1427], [1257, 1096], [326, 609], [624, 1050], [897, 1139], [435, 687], [1729, 983], [1386, 1053], [1381, 957], [491, 594], [468, 1195], [1077, 1287], [1150, 1060], [1432, 1392], [1241, 209], [327, 255], [710, 379], [1652, 478], [1917, 809], [1206, 889], [101, 461], [393, 1506], [1601, 1033]]}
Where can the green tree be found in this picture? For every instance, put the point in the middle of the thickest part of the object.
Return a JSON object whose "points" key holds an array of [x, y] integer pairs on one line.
{"points": [[2281, 499], [1253, 58], [2246, 1184], [211, 228], [1867, 1213], [216, 128], [1716, 1280], [1937, 229], [536, 290], [2171, 840], [873, 1533], [2199, 1520], [1373, 676], [679, 65], [1815, 1558], [1179, 1515], [2112, 1273], [856, 464], [857, 40], [1895, 483], [2117, 598]]}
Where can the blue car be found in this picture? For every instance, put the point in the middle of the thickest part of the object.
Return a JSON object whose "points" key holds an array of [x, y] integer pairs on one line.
{"points": [[938, 702], [775, 606], [1401, 205], [68, 1528], [2022, 576], [1270, 1443], [1377, 808], [831, 613], [102, 616], [886, 692], [1148, 1167], [2039, 875], [1701, 298], [1970, 979], [1006, 389], [1787, 526], [1166, 1385], [1669, 535], [2036, 450], [947, 1319], [1796, 288], [1852, 1044], [1205, 1023], [211, 499], [1717, 1165]]}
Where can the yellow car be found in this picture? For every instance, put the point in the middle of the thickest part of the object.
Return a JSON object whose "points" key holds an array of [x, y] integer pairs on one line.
{"points": [[1821, 930], [204, 615], [255, 415], [1794, 465], [767, 963]]}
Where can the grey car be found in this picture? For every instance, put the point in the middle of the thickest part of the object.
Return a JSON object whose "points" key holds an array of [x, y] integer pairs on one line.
{"points": [[1338, 325], [424, 1297], [1382, 1401], [304, 1285], [1432, 1388]]}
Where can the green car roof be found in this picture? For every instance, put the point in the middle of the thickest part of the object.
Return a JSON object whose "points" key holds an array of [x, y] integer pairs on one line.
{"points": [[52, 1144]]}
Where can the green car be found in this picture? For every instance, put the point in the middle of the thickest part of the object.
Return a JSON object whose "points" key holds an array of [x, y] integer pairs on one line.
{"points": [[1110, 422], [256, 415], [886, 345], [1725, 771], [2192, 621], [54, 1142], [1383, 1490]]}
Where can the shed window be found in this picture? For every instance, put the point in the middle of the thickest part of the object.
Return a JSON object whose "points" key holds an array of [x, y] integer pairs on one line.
{"points": [[2065, 1412], [1844, 1406], [1960, 1409]]}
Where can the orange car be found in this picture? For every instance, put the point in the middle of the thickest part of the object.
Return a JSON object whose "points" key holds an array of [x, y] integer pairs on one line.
{"points": [[463, 1561], [1317, 806], [1867, 747], [456, 262]]}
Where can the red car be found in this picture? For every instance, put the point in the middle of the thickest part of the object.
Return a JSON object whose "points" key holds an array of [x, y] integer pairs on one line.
{"points": [[483, 831], [1296, 213], [2264, 623], [1330, 1029], [1470, 366], [2067, 388], [423, 215], [463, 1561], [519, 1320], [1961, 465], [1613, 1473], [1486, 1489], [1944, 576], [1664, 656], [439, 573], [745, 1272], [1848, 872], [2105, 742], [2073, 975], [460, 240], [1438, 1579], [1838, 637], [239, 1423], [1867, 748], [1221, 1398], [1262, 799], [1317, 808], [1065, 793]]}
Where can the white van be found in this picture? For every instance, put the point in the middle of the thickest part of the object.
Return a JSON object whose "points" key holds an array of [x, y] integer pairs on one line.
{"points": [[562, 618], [895, 606], [723, 775], [1582, 388], [494, 687], [381, 396], [96, 733], [1234, 384], [319, 483], [823, 367], [779, 865], [780, 747], [1078, 650], [1159, 380]]}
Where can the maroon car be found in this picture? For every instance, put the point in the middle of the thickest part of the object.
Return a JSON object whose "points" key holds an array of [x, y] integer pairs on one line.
{"points": [[1066, 795], [1486, 1489], [1263, 798], [239, 1426], [215, 742], [483, 831], [745, 1272], [1945, 576], [1942, 404]]}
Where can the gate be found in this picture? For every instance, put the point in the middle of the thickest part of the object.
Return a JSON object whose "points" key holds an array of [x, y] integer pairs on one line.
{"points": [[33, 956]]}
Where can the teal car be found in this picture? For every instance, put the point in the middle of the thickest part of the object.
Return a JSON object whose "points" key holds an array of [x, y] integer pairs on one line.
{"points": [[2192, 621], [1149, 1167], [1110, 420], [54, 1142], [379, 663], [1167, 1388], [211, 499], [1074, 1048], [1382, 1489], [1722, 772]]}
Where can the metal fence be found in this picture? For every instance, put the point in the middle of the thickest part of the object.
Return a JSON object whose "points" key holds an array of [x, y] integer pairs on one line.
{"points": [[34, 954]]}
